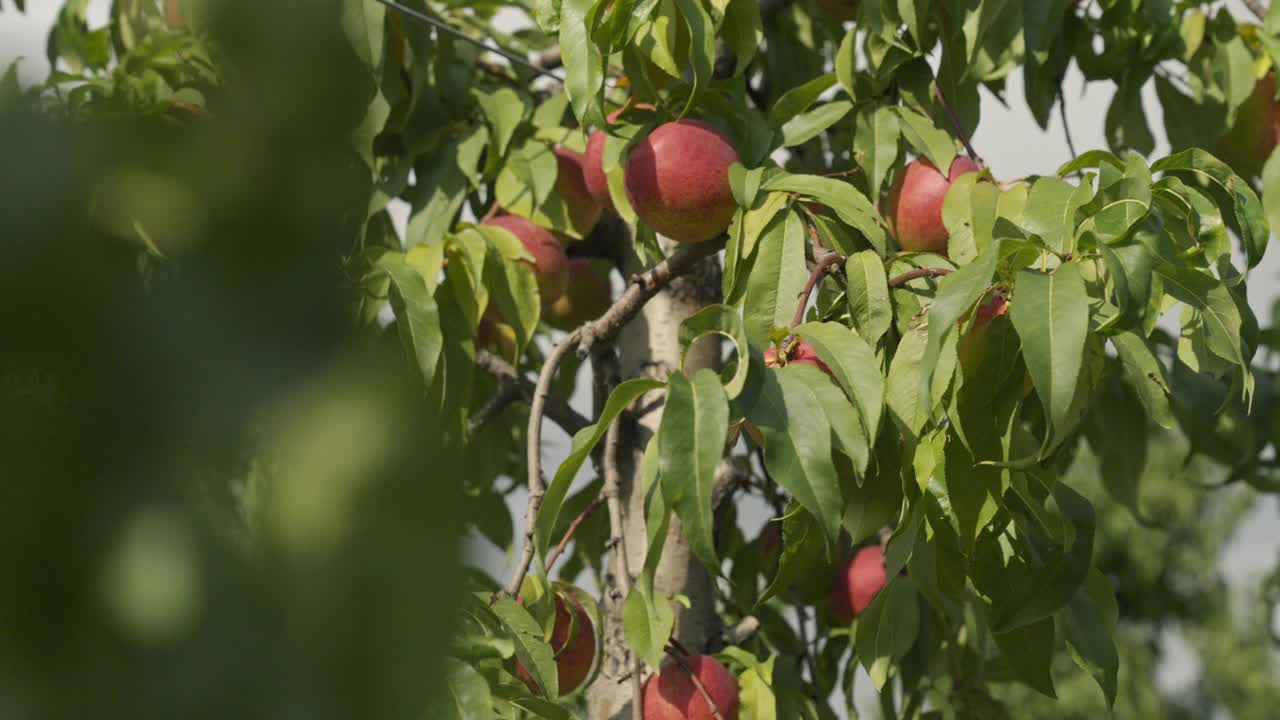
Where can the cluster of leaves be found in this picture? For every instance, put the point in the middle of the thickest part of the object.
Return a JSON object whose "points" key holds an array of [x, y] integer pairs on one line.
{"points": [[954, 434], [952, 431]]}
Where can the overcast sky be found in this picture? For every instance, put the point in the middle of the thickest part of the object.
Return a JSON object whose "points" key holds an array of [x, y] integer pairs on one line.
{"points": [[1011, 143]]}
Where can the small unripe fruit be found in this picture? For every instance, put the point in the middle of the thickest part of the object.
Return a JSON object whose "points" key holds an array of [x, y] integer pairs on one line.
{"points": [[915, 204], [1256, 132], [671, 694], [494, 332], [574, 647], [678, 181], [855, 588], [801, 353], [550, 264], [597, 180], [571, 183], [589, 294]]}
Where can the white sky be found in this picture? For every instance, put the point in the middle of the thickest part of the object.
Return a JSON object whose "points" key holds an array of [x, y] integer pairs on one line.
{"points": [[1011, 143]]}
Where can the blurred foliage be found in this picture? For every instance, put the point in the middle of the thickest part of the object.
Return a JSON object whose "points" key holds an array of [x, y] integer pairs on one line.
{"points": [[176, 332]]}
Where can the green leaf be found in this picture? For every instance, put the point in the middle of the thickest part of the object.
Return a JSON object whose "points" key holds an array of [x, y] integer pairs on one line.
{"points": [[875, 144], [1222, 323], [1090, 626], [845, 201], [511, 282], [928, 140], [957, 294], [972, 490], [1051, 314], [647, 620], [1029, 653], [874, 504], [583, 443], [868, 295], [505, 110], [583, 61], [798, 99], [755, 690], [702, 48], [466, 697], [1271, 189], [695, 424], [362, 21], [903, 396], [1145, 374], [743, 33], [888, 628], [1118, 436], [777, 278], [797, 445], [969, 213], [853, 364], [719, 320], [437, 197], [1248, 210], [417, 316], [806, 126], [848, 435], [533, 651], [1051, 211], [1046, 587]]}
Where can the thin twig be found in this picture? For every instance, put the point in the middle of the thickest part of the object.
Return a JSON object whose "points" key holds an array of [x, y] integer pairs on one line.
{"points": [[573, 528], [955, 122], [508, 392], [612, 492], [447, 28], [537, 486], [918, 273], [560, 412], [642, 289], [815, 276], [1257, 8], [1066, 126], [702, 689]]}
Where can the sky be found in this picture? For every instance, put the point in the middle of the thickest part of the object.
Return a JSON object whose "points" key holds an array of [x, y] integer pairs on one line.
{"points": [[1012, 145]]}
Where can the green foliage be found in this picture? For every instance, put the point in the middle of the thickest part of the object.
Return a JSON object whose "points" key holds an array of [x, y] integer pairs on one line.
{"points": [[238, 181]]}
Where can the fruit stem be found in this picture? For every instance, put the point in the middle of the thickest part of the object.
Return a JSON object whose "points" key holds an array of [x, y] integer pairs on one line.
{"points": [[819, 270], [573, 527], [918, 273], [955, 122], [702, 689]]}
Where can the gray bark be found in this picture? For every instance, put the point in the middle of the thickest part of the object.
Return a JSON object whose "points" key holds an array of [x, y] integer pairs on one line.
{"points": [[649, 347]]}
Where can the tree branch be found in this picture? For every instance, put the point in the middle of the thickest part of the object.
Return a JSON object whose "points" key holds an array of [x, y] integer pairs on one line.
{"points": [[618, 541], [1257, 8], [643, 288], [560, 412], [1066, 126], [743, 631], [573, 528], [815, 276], [697, 683], [918, 273], [537, 488]]}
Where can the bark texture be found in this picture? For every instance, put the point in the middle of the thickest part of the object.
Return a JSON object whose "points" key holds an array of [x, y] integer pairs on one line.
{"points": [[649, 346]]}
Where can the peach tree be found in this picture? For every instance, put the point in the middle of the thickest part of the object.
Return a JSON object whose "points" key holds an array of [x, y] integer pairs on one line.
{"points": [[746, 256]]}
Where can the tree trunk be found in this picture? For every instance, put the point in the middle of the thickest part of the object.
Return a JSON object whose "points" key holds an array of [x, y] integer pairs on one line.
{"points": [[649, 346]]}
